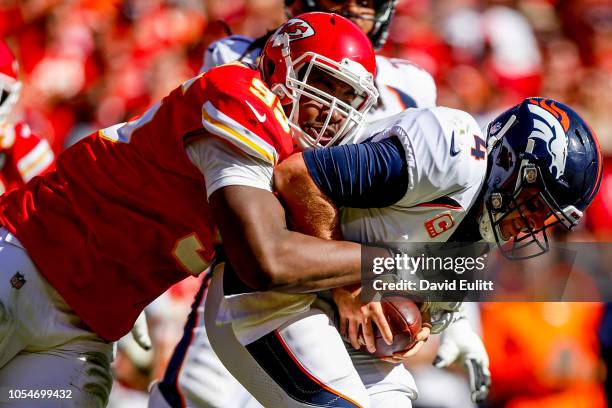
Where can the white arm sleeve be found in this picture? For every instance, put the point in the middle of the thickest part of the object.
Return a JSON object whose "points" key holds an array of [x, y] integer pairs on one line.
{"points": [[224, 166]]}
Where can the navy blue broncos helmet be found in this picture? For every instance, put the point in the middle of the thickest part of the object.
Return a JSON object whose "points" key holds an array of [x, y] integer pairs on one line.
{"points": [[540, 146]]}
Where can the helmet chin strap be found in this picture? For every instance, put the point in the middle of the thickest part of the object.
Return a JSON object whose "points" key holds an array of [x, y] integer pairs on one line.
{"points": [[486, 228], [300, 138]]}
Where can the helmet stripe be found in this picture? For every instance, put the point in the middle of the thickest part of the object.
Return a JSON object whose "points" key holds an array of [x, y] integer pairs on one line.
{"points": [[556, 111]]}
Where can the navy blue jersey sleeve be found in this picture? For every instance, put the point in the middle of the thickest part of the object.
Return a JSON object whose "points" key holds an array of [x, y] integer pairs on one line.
{"points": [[366, 175]]}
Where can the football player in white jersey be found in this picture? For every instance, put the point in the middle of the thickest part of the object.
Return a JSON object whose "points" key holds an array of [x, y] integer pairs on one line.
{"points": [[539, 165], [194, 374]]}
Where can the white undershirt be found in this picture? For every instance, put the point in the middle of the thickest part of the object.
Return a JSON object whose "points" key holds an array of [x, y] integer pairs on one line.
{"points": [[224, 166]]}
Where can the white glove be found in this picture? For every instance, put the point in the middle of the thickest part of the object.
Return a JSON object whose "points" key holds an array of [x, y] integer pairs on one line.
{"points": [[459, 343], [140, 332]]}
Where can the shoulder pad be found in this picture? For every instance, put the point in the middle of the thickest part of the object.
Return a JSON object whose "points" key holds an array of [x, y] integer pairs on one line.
{"points": [[241, 109], [407, 78], [226, 50]]}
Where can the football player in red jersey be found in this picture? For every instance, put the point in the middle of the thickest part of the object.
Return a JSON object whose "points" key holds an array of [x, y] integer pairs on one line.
{"points": [[135, 207], [23, 155]]}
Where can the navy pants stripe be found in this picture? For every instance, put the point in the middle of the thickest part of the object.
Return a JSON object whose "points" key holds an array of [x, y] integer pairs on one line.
{"points": [[276, 359]]}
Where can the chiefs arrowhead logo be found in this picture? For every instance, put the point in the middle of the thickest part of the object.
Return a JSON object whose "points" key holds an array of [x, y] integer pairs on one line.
{"points": [[298, 29]]}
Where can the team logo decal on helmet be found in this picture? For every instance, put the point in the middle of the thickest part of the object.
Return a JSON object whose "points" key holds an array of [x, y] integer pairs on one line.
{"points": [[495, 128], [297, 29], [550, 125]]}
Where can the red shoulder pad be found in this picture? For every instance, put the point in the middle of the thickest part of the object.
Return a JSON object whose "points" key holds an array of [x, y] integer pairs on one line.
{"points": [[240, 108]]}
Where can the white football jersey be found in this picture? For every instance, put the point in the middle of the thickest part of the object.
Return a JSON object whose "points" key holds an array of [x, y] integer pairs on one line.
{"points": [[401, 84], [447, 162]]}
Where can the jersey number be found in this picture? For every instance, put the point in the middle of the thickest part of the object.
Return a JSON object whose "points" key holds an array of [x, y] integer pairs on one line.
{"points": [[188, 252], [260, 90], [479, 151]]}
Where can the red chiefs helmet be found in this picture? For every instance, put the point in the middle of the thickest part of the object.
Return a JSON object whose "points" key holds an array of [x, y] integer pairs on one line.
{"points": [[10, 86], [329, 45]]}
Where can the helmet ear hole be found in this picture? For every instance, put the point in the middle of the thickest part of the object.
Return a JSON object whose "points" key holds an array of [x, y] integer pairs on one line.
{"points": [[300, 72], [269, 68], [505, 159]]}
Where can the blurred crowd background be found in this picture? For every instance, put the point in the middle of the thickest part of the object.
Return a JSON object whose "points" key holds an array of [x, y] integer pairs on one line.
{"points": [[91, 63]]}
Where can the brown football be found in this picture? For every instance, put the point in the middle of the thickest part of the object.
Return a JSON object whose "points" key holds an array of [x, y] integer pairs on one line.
{"points": [[405, 322]]}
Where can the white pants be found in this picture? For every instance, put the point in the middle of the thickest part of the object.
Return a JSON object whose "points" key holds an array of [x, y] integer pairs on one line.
{"points": [[44, 346], [195, 377], [305, 363]]}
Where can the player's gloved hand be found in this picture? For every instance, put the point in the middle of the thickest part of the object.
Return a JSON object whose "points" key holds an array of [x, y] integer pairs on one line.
{"points": [[459, 343], [353, 315], [140, 332]]}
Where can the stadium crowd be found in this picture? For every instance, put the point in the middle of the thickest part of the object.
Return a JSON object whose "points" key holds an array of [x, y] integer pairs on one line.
{"points": [[91, 63]]}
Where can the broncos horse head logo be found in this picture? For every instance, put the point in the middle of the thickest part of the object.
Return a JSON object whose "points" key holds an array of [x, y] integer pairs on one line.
{"points": [[550, 124]]}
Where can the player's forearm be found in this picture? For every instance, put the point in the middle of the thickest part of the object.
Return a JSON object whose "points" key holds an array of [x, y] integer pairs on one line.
{"points": [[303, 263], [266, 255], [310, 211], [306, 264], [294, 263], [319, 220]]}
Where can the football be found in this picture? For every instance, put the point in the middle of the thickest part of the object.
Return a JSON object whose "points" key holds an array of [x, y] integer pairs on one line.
{"points": [[405, 321]]}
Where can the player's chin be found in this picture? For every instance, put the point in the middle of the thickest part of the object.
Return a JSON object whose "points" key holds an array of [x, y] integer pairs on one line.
{"points": [[325, 140], [327, 137], [509, 229]]}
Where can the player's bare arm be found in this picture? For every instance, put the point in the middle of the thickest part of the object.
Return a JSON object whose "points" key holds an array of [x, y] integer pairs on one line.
{"points": [[310, 211], [267, 255]]}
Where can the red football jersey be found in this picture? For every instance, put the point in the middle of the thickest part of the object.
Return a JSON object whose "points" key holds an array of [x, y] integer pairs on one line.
{"points": [[23, 155], [124, 215]]}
